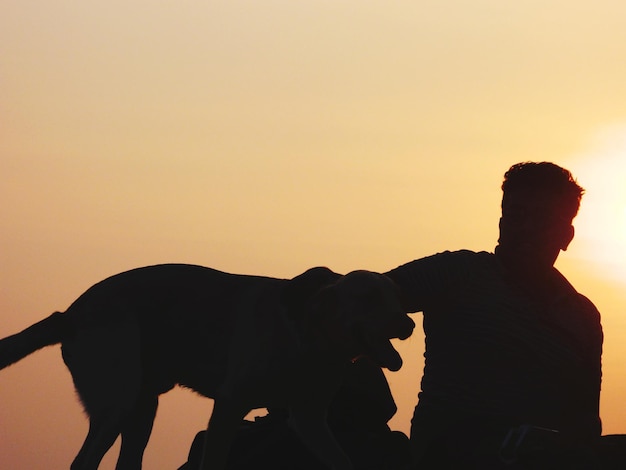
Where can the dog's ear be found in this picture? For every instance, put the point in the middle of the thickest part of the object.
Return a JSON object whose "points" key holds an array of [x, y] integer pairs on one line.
{"points": [[301, 289]]}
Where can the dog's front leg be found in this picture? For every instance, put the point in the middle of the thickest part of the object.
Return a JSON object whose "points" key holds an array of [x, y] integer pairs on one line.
{"points": [[223, 425], [311, 426]]}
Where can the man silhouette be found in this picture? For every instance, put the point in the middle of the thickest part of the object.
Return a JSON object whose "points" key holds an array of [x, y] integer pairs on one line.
{"points": [[513, 352]]}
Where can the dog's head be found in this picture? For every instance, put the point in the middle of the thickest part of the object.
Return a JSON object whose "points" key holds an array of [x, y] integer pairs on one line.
{"points": [[355, 315]]}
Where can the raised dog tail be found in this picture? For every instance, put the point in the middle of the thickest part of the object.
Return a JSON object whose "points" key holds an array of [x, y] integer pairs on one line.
{"points": [[49, 331]]}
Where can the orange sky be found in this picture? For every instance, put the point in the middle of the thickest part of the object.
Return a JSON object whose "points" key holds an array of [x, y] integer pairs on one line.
{"points": [[268, 137]]}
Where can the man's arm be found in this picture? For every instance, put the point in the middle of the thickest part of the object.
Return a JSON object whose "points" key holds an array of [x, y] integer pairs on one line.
{"points": [[424, 281]]}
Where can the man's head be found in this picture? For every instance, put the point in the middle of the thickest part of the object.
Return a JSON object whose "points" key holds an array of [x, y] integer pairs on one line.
{"points": [[539, 203]]}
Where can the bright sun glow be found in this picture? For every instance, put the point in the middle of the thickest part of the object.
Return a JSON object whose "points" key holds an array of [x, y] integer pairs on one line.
{"points": [[601, 223]]}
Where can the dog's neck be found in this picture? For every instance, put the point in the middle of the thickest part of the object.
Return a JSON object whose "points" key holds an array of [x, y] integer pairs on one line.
{"points": [[317, 335]]}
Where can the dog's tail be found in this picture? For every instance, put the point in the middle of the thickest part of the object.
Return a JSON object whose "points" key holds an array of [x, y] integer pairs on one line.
{"points": [[47, 332]]}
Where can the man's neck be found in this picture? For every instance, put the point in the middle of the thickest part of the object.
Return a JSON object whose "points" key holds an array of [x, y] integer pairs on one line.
{"points": [[538, 280]]}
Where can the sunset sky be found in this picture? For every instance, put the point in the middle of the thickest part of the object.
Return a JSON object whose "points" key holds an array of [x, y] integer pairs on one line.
{"points": [[266, 137]]}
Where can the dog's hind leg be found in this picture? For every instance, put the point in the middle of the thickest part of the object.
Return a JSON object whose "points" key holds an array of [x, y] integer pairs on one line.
{"points": [[105, 363], [136, 432], [103, 431]]}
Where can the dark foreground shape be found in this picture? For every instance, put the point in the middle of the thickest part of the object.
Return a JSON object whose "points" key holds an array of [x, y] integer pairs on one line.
{"points": [[357, 417], [540, 452]]}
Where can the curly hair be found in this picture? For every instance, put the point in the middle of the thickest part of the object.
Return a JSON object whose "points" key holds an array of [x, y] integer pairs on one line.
{"points": [[548, 178]]}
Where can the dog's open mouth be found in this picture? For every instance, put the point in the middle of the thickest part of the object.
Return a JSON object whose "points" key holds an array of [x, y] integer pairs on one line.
{"points": [[380, 350], [378, 346], [385, 355]]}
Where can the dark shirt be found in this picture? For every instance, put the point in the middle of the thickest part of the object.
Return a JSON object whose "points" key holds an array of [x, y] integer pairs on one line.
{"points": [[495, 348]]}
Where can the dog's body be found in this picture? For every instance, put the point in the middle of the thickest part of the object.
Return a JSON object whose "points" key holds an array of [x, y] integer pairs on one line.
{"points": [[245, 341]]}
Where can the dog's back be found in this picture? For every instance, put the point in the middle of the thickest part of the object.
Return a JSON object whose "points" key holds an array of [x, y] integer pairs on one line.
{"points": [[184, 318]]}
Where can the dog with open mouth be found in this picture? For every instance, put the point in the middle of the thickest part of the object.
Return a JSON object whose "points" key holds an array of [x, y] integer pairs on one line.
{"points": [[245, 341]]}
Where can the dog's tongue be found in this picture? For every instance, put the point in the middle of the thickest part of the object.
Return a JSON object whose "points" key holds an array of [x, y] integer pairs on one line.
{"points": [[386, 356]]}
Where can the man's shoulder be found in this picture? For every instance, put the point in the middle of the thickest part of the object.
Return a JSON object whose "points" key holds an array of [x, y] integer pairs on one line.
{"points": [[584, 302], [588, 306]]}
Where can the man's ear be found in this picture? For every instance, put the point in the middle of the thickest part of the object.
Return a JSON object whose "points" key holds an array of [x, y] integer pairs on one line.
{"points": [[567, 237]]}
